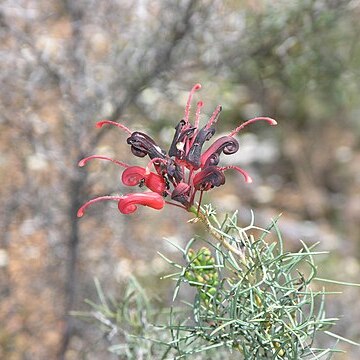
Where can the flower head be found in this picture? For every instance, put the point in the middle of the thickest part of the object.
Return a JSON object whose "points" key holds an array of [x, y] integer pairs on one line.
{"points": [[182, 172]]}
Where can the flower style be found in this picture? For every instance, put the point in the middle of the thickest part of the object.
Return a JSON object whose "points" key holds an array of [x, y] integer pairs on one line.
{"points": [[181, 173]]}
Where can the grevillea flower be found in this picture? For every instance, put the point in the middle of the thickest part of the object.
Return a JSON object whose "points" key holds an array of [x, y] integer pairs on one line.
{"points": [[181, 173]]}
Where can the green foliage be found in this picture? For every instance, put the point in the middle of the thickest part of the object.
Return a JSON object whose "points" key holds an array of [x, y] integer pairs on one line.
{"points": [[128, 322], [253, 300], [263, 305]]}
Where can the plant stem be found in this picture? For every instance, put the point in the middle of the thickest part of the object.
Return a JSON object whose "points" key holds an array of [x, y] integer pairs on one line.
{"points": [[209, 227]]}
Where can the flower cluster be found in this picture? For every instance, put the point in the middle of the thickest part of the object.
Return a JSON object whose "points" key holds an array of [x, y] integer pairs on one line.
{"points": [[181, 173]]}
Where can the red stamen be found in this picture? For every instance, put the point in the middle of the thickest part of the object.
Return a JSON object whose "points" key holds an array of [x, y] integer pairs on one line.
{"points": [[81, 211], [85, 160], [247, 177], [270, 121], [191, 141], [121, 126], [171, 203], [153, 161], [200, 199], [188, 104], [214, 116], [200, 104], [192, 197]]}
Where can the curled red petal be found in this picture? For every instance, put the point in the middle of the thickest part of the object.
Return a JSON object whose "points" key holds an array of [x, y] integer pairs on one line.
{"points": [[133, 175], [155, 183], [81, 211], [128, 203]]}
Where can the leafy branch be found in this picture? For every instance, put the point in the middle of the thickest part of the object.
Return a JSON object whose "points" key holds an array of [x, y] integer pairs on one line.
{"points": [[258, 302], [263, 304]]}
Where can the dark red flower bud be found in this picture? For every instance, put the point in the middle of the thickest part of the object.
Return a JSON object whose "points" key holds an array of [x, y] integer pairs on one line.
{"points": [[194, 154], [173, 171], [208, 178], [142, 145], [178, 129], [226, 144], [181, 193], [182, 134]]}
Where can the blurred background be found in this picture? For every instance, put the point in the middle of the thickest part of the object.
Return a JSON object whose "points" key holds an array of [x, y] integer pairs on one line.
{"points": [[67, 64]]}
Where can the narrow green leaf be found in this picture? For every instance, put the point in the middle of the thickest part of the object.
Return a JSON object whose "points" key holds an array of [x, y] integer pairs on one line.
{"points": [[344, 283], [341, 338]]}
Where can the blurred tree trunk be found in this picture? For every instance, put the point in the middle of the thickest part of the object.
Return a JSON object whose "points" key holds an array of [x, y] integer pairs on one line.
{"points": [[66, 74], [163, 61]]}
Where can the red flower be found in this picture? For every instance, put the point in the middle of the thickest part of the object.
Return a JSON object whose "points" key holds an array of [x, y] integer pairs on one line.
{"points": [[180, 173]]}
